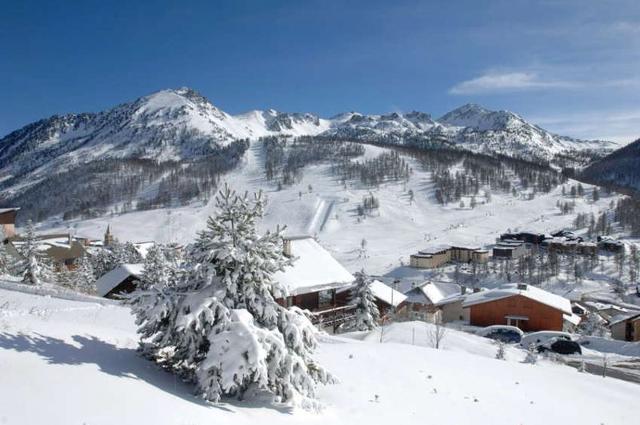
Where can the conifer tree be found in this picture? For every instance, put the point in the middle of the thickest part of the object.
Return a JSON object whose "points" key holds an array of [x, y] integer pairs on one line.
{"points": [[83, 276], [367, 313], [36, 269], [222, 328]]}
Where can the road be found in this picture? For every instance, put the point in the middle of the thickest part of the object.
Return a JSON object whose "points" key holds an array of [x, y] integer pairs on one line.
{"points": [[627, 371]]}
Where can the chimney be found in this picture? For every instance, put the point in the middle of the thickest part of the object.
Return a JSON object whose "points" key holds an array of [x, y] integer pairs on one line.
{"points": [[286, 247], [522, 286], [463, 289]]}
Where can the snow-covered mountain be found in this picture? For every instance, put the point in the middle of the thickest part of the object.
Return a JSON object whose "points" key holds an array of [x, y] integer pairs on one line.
{"points": [[182, 124], [619, 169], [504, 132], [42, 159]]}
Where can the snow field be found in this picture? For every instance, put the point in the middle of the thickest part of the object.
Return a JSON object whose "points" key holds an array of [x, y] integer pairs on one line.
{"points": [[76, 360]]}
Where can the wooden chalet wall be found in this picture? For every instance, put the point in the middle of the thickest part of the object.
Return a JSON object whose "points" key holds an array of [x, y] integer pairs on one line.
{"points": [[541, 316]]}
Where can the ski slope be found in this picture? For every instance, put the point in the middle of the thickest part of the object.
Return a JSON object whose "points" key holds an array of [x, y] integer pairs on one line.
{"points": [[328, 210]]}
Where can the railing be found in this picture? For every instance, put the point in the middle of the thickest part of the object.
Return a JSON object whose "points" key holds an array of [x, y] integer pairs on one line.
{"points": [[333, 316]]}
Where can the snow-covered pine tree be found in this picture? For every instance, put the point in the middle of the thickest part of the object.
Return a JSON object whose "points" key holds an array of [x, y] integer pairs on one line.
{"points": [[65, 278], [367, 314], [501, 354], [36, 269], [83, 276], [154, 300], [532, 356], [103, 261], [224, 331]]}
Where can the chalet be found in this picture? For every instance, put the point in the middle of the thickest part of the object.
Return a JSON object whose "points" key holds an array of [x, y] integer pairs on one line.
{"points": [[119, 281], [626, 327], [313, 279], [510, 249], [421, 301], [525, 306], [450, 308], [387, 298], [62, 249], [8, 221], [442, 254]]}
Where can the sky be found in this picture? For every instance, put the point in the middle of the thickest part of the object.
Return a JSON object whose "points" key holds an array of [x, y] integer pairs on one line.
{"points": [[572, 67]]}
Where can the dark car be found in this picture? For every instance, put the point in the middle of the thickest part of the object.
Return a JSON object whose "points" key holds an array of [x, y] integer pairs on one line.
{"points": [[506, 334], [561, 346]]}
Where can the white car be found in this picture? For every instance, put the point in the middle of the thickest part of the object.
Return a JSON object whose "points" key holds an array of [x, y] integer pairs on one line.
{"points": [[539, 338]]}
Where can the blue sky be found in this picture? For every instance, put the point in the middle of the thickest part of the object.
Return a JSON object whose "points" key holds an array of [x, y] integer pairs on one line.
{"points": [[571, 66]]}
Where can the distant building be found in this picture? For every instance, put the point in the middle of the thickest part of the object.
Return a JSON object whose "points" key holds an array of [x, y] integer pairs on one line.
{"points": [[62, 249], [421, 302], [8, 221], [510, 249], [439, 255], [525, 306], [119, 281], [626, 327], [568, 246], [610, 245], [532, 238]]}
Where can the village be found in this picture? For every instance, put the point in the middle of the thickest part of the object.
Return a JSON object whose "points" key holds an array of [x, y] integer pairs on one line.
{"points": [[317, 283]]}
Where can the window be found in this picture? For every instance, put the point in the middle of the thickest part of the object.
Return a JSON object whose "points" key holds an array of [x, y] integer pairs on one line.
{"points": [[325, 298]]}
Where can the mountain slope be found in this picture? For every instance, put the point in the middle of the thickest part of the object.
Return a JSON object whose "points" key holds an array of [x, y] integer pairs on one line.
{"points": [[619, 169], [173, 145]]}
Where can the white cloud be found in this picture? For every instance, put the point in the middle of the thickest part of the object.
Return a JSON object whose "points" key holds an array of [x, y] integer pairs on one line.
{"points": [[616, 125], [493, 82]]}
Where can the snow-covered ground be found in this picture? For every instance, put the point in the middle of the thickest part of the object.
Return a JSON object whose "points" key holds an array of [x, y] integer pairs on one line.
{"points": [[73, 362], [328, 210]]}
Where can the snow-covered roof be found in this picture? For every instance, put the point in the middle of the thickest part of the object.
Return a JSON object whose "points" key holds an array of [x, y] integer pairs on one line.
{"points": [[4, 210], [513, 289], [434, 249], [572, 318], [386, 293], [624, 317], [314, 269], [110, 280], [437, 291]]}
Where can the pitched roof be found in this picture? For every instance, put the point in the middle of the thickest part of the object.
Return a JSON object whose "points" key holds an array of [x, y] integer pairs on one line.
{"points": [[624, 317], [432, 292], [513, 289], [110, 280], [386, 293], [314, 269]]}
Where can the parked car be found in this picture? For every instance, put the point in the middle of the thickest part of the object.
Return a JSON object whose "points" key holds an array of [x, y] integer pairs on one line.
{"points": [[537, 338], [504, 333], [560, 346]]}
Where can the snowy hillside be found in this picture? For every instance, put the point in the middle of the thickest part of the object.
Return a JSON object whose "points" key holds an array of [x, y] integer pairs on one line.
{"points": [[76, 361], [619, 169], [318, 204]]}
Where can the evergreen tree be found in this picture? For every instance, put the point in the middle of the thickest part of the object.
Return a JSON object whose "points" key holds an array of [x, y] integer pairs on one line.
{"points": [[367, 314], [83, 276], [223, 329], [532, 356], [36, 269]]}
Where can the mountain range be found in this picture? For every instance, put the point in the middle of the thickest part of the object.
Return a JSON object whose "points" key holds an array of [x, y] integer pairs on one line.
{"points": [[177, 125]]}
